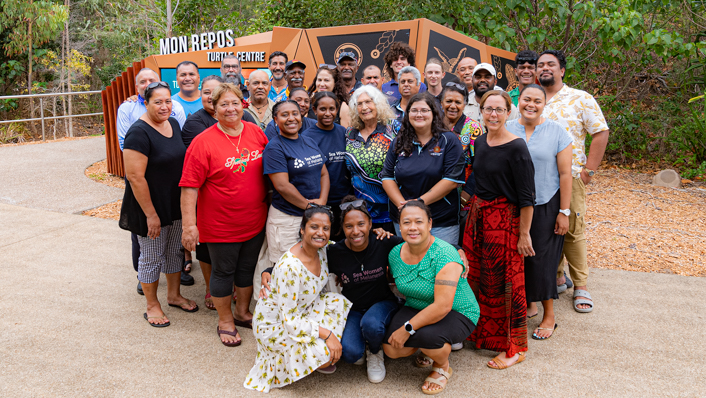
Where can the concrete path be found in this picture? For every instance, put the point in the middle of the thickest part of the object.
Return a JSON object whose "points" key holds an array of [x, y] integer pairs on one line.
{"points": [[71, 325], [51, 176]]}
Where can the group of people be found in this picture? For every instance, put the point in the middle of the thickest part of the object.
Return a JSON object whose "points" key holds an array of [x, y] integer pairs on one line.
{"points": [[444, 212]]}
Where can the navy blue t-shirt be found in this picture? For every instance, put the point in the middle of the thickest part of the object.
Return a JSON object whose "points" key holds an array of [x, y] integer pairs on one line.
{"points": [[333, 144], [418, 172], [302, 160], [272, 130]]}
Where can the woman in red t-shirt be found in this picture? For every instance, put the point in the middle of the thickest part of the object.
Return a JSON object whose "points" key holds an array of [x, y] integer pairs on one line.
{"points": [[223, 170]]}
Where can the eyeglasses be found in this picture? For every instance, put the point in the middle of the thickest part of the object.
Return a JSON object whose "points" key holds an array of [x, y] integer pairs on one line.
{"points": [[347, 54], [154, 85], [458, 86], [425, 111], [327, 66], [235, 67], [498, 111], [356, 204]]}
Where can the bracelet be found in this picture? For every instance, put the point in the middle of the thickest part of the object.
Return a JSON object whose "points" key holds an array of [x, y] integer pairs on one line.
{"points": [[329, 335]]}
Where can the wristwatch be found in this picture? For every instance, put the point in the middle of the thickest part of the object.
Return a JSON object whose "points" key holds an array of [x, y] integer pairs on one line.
{"points": [[565, 212], [408, 327], [590, 172]]}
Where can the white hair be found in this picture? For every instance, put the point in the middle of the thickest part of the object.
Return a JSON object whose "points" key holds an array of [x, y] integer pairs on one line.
{"points": [[385, 114]]}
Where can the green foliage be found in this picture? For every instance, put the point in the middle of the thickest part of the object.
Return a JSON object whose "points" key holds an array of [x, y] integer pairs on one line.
{"points": [[34, 22]]}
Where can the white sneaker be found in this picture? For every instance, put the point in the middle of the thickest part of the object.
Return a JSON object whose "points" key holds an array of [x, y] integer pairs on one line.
{"points": [[376, 366], [360, 362], [457, 346]]}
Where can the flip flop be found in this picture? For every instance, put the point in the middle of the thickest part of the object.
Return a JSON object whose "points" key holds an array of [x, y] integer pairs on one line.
{"points": [[234, 333], [532, 316], [244, 324], [536, 337], [438, 380], [196, 308], [587, 300], [500, 365], [157, 325], [208, 302], [187, 266]]}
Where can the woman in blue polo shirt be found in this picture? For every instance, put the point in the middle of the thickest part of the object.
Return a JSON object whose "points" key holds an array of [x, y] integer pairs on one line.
{"points": [[331, 139], [296, 166], [425, 162]]}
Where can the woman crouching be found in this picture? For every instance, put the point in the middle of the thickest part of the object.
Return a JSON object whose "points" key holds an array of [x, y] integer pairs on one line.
{"points": [[439, 311], [298, 327]]}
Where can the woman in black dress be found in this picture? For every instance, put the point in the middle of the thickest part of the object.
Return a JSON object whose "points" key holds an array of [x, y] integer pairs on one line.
{"points": [[154, 157]]}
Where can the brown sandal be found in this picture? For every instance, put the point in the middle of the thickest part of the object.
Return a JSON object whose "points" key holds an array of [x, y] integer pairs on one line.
{"points": [[438, 380], [234, 333], [208, 302], [500, 365]]}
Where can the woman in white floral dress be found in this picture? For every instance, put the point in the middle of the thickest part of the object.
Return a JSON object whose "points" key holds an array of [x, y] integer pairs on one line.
{"points": [[298, 326]]}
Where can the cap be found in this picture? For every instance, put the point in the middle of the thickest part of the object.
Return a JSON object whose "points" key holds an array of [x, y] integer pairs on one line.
{"points": [[484, 66], [294, 62], [346, 54]]}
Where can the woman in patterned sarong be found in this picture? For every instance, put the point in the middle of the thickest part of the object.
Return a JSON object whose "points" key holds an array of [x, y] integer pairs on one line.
{"points": [[497, 234]]}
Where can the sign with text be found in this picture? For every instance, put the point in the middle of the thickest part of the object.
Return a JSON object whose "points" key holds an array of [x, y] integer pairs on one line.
{"points": [[194, 42]]}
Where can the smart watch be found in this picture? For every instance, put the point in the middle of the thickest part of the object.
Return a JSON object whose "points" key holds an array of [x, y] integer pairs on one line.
{"points": [[408, 327], [590, 172], [565, 212]]}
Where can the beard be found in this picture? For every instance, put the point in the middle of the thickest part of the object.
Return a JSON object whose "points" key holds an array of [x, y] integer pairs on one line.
{"points": [[232, 78], [547, 81], [480, 91]]}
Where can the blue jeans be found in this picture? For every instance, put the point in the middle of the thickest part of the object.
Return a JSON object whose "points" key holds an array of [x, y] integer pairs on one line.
{"points": [[366, 326], [447, 234]]}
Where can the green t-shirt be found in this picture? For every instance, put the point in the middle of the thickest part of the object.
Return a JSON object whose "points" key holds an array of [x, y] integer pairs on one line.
{"points": [[515, 95], [416, 281]]}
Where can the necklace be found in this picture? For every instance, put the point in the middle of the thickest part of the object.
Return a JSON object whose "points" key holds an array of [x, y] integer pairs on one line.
{"points": [[237, 148], [365, 255]]}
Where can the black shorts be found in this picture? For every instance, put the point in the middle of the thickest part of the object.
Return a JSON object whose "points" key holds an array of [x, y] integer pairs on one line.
{"points": [[454, 328]]}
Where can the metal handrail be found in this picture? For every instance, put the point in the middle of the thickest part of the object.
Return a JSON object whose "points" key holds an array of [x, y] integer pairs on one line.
{"points": [[41, 109], [47, 94]]}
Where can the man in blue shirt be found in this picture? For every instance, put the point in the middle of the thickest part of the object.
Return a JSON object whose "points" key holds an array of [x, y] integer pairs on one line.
{"points": [[129, 111], [410, 84], [230, 72], [278, 88], [398, 56], [189, 81]]}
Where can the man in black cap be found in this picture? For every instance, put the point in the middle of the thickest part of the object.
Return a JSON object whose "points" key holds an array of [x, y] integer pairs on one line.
{"points": [[347, 68], [294, 74]]}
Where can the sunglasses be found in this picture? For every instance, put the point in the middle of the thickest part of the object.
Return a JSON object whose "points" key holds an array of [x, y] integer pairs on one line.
{"points": [[356, 204], [347, 54], [327, 66], [154, 85], [458, 86]]}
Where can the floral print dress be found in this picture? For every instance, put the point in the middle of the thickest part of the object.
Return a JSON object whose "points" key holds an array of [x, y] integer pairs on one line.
{"points": [[286, 324]]}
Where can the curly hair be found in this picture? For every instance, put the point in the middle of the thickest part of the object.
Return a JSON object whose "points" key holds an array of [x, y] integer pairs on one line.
{"points": [[407, 134], [385, 114], [338, 88], [396, 49]]}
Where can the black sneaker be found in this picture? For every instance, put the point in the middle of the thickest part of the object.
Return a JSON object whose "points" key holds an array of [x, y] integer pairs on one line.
{"points": [[186, 279], [139, 289]]}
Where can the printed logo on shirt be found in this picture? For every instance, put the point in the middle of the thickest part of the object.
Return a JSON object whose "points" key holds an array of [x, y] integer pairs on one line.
{"points": [[241, 162], [356, 144], [436, 151], [298, 163], [337, 157], [313, 160], [389, 92]]}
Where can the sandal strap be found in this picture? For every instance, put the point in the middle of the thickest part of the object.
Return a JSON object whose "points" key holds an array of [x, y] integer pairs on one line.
{"points": [[442, 372], [499, 363], [229, 333], [436, 380], [582, 301], [582, 293], [538, 328]]}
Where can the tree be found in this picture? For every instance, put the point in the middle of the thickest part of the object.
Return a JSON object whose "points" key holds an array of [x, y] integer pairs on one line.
{"points": [[36, 23]]}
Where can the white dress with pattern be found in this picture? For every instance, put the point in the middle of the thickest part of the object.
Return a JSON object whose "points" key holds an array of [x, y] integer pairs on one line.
{"points": [[286, 324]]}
